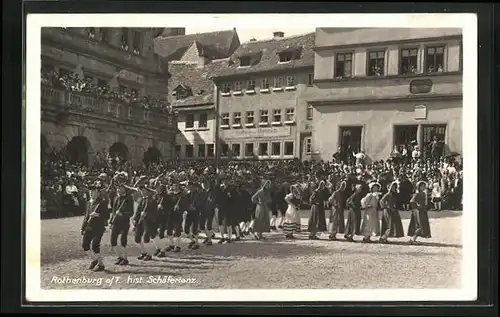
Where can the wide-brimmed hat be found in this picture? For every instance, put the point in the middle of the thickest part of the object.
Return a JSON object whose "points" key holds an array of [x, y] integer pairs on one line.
{"points": [[389, 187], [339, 186], [372, 184], [420, 183]]}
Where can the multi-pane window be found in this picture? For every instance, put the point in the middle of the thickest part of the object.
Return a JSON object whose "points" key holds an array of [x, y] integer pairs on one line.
{"points": [[105, 35], [124, 39], [290, 115], [129, 114], [264, 116], [189, 121], [310, 79], [237, 86], [343, 65], [119, 111], [225, 150], [189, 150], [310, 110], [308, 145], [136, 42], [290, 81], [235, 150], [90, 33], [203, 121], [376, 62], [210, 150], [249, 149], [177, 150], [289, 148], [277, 115], [201, 150], [225, 119], [265, 84], [263, 151], [250, 117], [226, 88], [408, 61], [251, 85], [147, 115], [286, 57], [278, 82], [276, 148], [237, 118], [434, 59]]}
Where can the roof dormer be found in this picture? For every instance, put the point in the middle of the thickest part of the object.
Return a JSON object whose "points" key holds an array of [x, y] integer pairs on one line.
{"points": [[182, 92], [249, 59], [289, 53]]}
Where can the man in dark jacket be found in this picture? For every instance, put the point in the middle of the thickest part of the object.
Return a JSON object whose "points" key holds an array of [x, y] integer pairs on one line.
{"points": [[93, 226]]}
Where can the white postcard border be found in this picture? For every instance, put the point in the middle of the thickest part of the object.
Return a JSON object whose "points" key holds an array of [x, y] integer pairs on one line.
{"points": [[33, 224]]}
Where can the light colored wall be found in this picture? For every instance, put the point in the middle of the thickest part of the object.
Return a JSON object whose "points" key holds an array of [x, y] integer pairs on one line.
{"points": [[336, 36], [191, 55], [296, 99], [325, 59], [196, 135], [378, 122]]}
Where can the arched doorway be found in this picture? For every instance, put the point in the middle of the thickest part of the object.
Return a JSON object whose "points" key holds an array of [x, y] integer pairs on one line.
{"points": [[152, 155], [119, 150], [78, 150]]}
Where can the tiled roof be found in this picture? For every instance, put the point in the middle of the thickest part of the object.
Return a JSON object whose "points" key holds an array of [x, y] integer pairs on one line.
{"points": [[269, 57], [190, 75], [217, 43]]}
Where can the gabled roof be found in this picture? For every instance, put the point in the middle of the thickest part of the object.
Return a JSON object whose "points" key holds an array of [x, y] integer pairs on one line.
{"points": [[216, 44], [269, 59], [197, 79]]}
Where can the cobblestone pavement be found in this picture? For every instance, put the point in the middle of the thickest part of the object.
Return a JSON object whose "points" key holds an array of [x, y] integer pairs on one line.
{"points": [[273, 263]]}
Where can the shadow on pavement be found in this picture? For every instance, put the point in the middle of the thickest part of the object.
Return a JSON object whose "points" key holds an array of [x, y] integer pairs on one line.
{"points": [[264, 249]]}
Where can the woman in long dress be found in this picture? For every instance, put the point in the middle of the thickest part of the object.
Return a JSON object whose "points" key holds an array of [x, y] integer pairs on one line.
{"points": [[419, 223], [262, 198], [354, 215], [370, 225], [391, 220], [337, 203], [317, 219], [291, 223]]}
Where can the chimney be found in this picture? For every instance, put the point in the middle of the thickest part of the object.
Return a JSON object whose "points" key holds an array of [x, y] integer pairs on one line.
{"points": [[278, 35]]}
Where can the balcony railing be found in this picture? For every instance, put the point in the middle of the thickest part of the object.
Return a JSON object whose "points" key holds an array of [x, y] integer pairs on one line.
{"points": [[81, 101]]}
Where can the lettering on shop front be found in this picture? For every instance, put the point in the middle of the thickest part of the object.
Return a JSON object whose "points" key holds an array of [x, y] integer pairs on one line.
{"points": [[257, 133]]}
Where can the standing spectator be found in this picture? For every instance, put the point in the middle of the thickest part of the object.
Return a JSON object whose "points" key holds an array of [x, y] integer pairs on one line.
{"points": [[416, 153]]}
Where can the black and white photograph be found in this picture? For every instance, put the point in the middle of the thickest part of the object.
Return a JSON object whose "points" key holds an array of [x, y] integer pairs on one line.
{"points": [[251, 157]]}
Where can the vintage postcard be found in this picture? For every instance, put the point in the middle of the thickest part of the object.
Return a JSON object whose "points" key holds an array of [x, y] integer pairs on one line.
{"points": [[251, 157]]}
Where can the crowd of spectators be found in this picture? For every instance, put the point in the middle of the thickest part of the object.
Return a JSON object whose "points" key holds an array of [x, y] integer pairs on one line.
{"points": [[65, 183], [73, 82]]}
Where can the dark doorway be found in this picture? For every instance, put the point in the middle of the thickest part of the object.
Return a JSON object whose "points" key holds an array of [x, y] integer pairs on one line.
{"points": [[78, 150], [152, 155], [119, 150], [350, 138], [404, 135], [429, 134]]}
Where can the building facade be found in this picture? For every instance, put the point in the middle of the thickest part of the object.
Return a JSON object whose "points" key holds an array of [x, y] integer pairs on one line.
{"points": [[192, 60], [262, 94], [377, 89], [120, 59]]}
